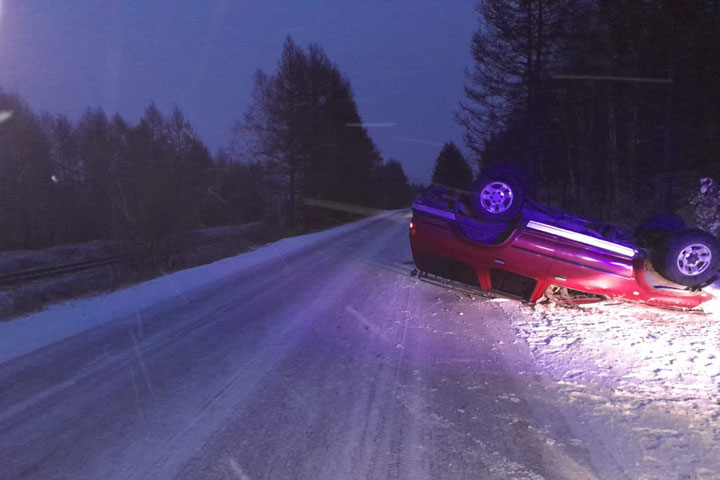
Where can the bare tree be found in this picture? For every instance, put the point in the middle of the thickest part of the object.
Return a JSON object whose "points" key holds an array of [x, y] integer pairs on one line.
{"points": [[513, 50], [303, 124]]}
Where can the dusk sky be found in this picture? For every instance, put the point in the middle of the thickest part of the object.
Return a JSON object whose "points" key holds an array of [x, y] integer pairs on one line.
{"points": [[404, 58]]}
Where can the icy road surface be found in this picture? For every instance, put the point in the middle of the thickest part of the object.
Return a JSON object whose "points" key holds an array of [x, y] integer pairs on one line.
{"points": [[320, 357]]}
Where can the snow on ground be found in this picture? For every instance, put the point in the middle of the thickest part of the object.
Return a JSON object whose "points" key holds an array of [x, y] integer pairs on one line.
{"points": [[637, 356], [63, 320]]}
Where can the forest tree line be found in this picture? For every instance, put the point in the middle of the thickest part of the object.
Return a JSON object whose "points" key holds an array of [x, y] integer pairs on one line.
{"points": [[611, 105], [104, 178]]}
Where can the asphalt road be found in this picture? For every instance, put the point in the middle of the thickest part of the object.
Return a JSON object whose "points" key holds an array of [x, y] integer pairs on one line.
{"points": [[330, 363]]}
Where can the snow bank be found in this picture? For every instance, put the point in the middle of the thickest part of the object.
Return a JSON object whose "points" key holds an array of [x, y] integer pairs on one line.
{"points": [[63, 320]]}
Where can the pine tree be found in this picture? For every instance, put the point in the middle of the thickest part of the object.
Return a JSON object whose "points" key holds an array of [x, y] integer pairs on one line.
{"points": [[451, 169], [395, 190]]}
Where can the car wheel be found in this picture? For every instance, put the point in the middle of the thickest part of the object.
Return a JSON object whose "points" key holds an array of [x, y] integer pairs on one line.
{"points": [[689, 258], [497, 197]]}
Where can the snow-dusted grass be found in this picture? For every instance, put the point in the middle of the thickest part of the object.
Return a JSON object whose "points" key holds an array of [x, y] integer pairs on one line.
{"points": [[17, 261], [31, 296], [63, 320], [20, 260]]}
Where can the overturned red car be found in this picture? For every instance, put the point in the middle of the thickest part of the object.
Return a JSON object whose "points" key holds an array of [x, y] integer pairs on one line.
{"points": [[497, 239]]}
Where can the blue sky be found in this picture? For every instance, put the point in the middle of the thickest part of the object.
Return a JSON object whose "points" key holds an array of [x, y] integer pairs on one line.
{"points": [[404, 58]]}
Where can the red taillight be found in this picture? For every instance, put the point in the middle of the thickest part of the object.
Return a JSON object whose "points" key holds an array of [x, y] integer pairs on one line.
{"points": [[412, 226]]}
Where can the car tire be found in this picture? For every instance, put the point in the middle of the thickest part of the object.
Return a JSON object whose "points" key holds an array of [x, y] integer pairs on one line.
{"points": [[689, 258], [667, 222], [657, 229], [497, 196]]}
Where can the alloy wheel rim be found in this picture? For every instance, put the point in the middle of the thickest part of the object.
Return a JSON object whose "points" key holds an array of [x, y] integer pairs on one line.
{"points": [[694, 259], [496, 197]]}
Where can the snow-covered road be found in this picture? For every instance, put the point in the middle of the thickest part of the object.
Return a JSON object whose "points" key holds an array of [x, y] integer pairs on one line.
{"points": [[322, 358]]}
